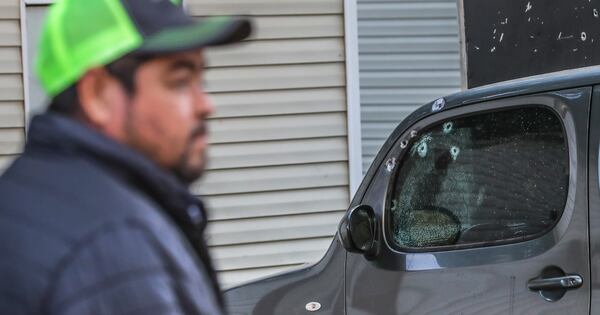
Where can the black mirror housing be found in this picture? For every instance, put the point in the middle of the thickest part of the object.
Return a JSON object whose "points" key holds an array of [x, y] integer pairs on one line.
{"points": [[358, 231]]}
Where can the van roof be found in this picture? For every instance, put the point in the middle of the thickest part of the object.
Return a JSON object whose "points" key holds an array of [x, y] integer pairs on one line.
{"points": [[560, 80]]}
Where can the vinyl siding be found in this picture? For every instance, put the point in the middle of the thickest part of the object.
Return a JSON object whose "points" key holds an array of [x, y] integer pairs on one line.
{"points": [[280, 51], [274, 77], [265, 7], [248, 256], [277, 203], [408, 55], [269, 103], [272, 178], [277, 181], [270, 229], [12, 115], [284, 152], [243, 275], [9, 10]]}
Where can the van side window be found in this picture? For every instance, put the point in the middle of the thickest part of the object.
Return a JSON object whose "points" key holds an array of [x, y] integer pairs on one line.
{"points": [[486, 179]]}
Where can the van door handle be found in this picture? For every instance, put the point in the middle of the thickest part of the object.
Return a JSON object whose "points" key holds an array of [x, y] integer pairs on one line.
{"points": [[570, 281], [553, 283]]}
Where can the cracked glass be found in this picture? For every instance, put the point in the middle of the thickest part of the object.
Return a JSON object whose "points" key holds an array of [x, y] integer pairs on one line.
{"points": [[485, 179]]}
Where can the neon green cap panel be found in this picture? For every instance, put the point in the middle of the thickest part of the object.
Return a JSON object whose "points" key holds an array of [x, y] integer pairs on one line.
{"points": [[79, 35]]}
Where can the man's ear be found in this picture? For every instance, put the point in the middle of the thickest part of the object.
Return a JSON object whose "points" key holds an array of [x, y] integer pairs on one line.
{"points": [[97, 104]]}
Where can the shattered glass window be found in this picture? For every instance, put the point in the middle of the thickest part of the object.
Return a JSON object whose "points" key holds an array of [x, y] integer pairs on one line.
{"points": [[490, 178]]}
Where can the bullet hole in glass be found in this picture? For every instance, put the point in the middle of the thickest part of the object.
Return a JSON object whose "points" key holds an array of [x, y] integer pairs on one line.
{"points": [[403, 144], [454, 151], [448, 127], [438, 104], [422, 149], [414, 134], [390, 164]]}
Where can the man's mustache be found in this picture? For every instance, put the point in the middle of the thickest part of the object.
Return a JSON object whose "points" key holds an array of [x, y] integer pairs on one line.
{"points": [[199, 131]]}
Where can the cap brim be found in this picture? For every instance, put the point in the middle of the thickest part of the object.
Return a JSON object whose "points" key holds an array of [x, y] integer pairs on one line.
{"points": [[212, 31]]}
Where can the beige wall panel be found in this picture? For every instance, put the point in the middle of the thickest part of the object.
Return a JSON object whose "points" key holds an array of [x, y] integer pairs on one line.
{"points": [[272, 178], [278, 27], [10, 60], [235, 257], [262, 103], [5, 161], [272, 52], [9, 9], [275, 203], [228, 279], [264, 7], [11, 140], [302, 26], [10, 32], [11, 87], [302, 151], [12, 114], [244, 231], [277, 127], [275, 77]]}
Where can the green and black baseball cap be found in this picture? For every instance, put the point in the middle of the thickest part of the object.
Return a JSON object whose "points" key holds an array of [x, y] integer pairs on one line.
{"points": [[82, 34]]}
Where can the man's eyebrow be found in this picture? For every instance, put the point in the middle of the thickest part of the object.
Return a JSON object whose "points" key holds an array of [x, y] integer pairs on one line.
{"points": [[185, 65]]}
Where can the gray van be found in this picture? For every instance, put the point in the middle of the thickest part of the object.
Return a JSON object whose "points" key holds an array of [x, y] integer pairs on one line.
{"points": [[483, 202]]}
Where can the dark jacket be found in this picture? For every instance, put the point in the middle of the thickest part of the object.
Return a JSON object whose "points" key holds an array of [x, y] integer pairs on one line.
{"points": [[88, 226]]}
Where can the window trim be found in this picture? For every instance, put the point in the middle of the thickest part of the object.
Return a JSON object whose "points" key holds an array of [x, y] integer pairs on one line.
{"points": [[387, 228], [353, 96]]}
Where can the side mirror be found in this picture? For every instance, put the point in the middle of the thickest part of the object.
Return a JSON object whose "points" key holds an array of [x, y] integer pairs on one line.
{"points": [[358, 231]]}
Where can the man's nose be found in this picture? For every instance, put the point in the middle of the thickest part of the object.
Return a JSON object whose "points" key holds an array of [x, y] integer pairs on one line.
{"points": [[203, 104]]}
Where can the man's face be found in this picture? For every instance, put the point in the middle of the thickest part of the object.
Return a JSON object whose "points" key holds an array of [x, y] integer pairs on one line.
{"points": [[166, 115]]}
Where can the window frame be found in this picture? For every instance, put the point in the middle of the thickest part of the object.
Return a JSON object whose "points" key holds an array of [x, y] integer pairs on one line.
{"points": [[572, 104], [403, 156]]}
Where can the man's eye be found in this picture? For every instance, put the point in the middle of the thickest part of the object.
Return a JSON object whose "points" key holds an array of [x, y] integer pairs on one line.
{"points": [[179, 83]]}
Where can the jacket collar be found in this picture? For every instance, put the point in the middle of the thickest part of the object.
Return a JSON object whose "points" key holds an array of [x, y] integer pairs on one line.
{"points": [[63, 135]]}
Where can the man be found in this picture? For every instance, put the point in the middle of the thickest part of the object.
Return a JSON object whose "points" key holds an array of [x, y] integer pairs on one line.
{"points": [[95, 216]]}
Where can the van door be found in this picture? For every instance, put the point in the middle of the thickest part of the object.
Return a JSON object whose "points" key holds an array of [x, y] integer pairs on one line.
{"points": [[483, 210]]}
